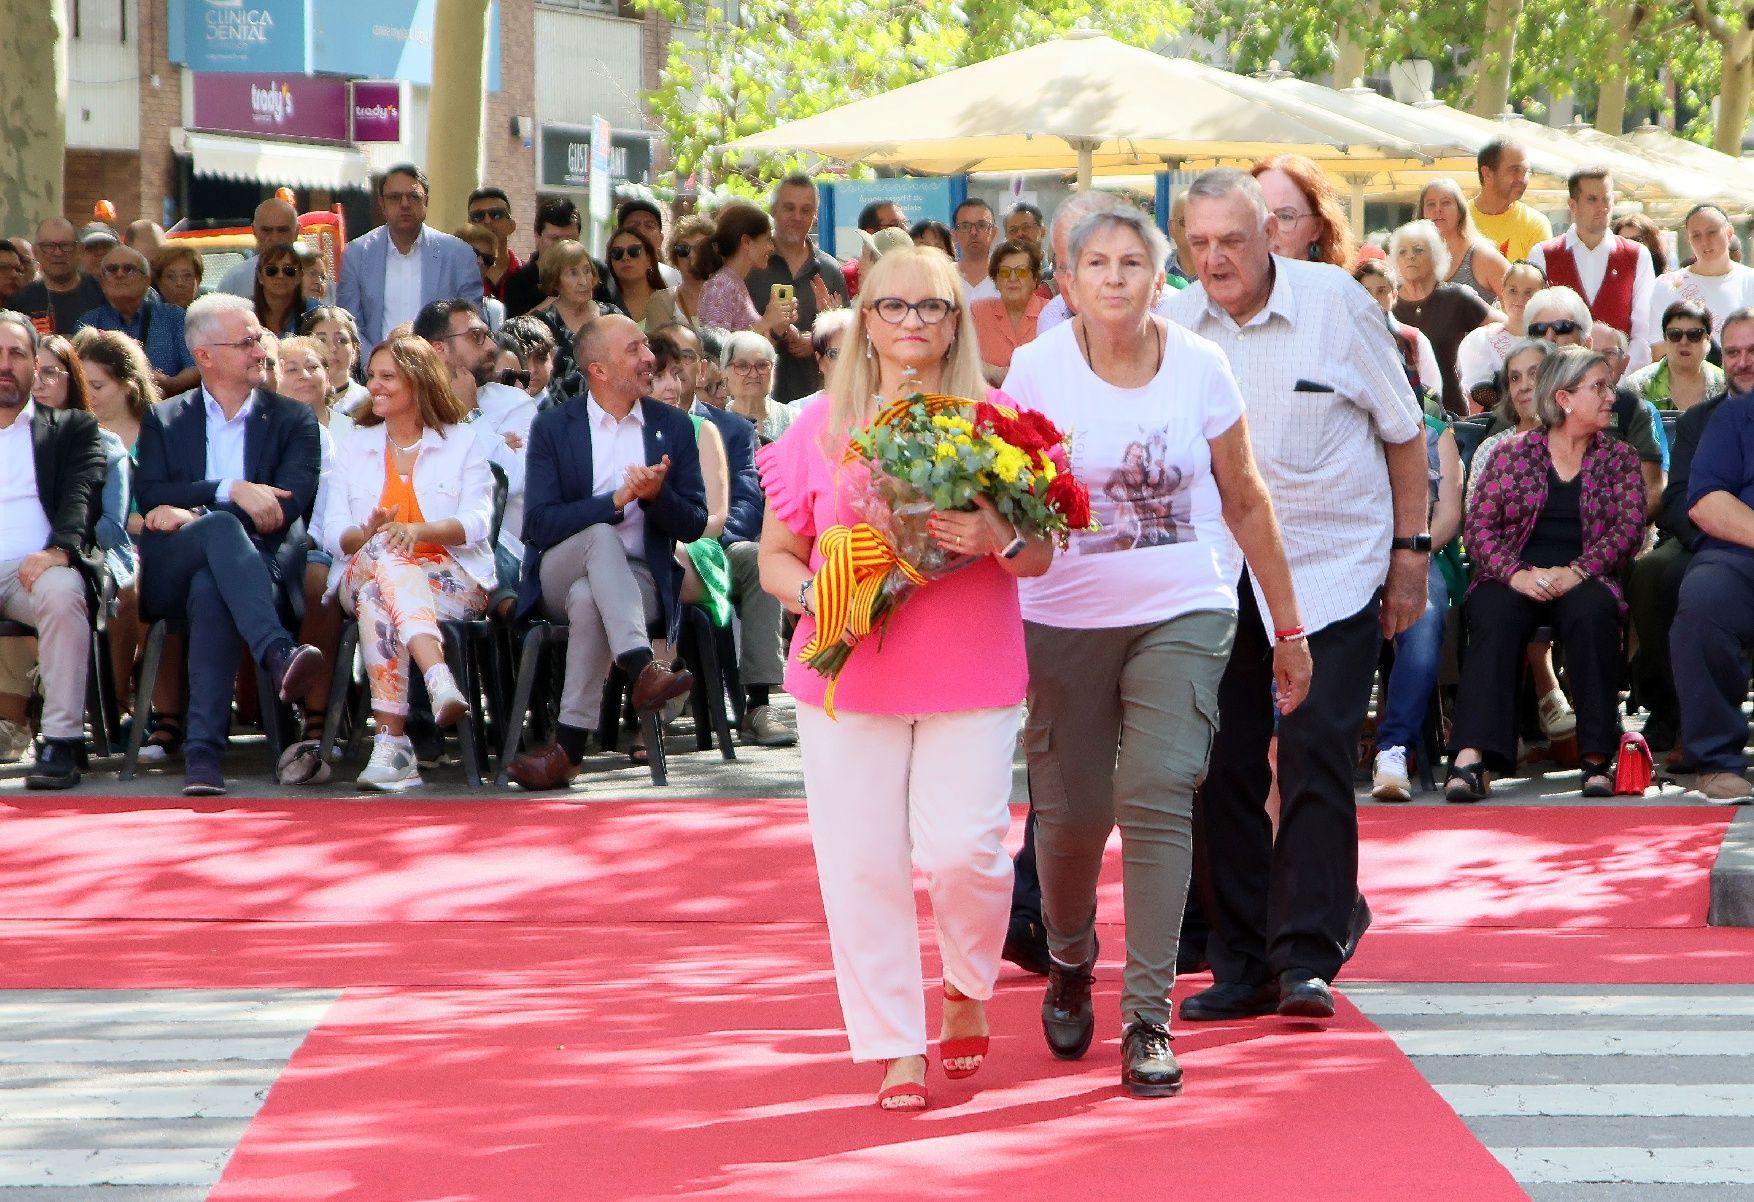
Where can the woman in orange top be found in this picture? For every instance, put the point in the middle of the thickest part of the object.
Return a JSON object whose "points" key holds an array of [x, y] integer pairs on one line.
{"points": [[409, 509], [1007, 321]]}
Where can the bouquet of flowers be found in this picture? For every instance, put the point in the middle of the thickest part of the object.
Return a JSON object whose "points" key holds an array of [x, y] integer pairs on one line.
{"points": [[927, 453]]}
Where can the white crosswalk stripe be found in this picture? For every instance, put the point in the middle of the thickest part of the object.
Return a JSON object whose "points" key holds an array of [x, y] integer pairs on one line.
{"points": [[138, 1089], [1577, 1089]]}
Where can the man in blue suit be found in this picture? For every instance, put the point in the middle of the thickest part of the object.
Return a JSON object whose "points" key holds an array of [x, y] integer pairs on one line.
{"points": [[389, 273], [224, 471], [612, 483]]}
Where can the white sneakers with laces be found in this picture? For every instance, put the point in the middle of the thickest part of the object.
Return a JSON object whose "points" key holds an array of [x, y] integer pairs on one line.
{"points": [[392, 768], [1391, 783]]}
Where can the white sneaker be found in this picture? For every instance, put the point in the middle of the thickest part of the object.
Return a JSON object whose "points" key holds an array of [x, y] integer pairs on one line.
{"points": [[449, 706], [392, 768], [1558, 719], [15, 740], [1391, 782]]}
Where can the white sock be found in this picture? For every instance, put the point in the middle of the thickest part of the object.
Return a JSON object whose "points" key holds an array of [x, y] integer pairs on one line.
{"points": [[440, 680]]}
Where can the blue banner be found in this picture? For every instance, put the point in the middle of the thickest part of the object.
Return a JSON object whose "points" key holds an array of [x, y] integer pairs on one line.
{"points": [[385, 39], [255, 36], [920, 197]]}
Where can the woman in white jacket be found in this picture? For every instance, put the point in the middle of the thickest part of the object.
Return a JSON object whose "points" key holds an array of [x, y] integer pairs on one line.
{"points": [[409, 513]]}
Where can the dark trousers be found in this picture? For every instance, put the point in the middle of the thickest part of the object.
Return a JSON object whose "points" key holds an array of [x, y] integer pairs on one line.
{"points": [[1652, 594], [1025, 882], [1714, 627], [1288, 903], [212, 574], [1500, 621]]}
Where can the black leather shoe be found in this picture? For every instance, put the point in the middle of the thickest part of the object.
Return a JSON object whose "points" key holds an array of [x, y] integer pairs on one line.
{"points": [[1190, 959], [1148, 1067], [1230, 999], [1068, 1019], [1026, 943], [56, 767], [293, 669], [1302, 994], [201, 774]]}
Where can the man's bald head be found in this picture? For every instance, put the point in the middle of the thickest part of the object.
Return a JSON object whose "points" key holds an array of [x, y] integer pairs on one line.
{"points": [[615, 361], [275, 224]]}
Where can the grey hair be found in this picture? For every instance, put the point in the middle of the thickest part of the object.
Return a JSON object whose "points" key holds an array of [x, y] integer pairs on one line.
{"points": [[140, 260], [1074, 209], [1127, 218], [829, 328], [1505, 410], [201, 324], [1746, 313], [1558, 296], [1222, 182], [1561, 371], [12, 317], [1423, 231], [746, 340]]}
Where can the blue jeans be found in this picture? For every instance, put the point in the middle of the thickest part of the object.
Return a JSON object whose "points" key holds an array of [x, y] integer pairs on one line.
{"points": [[1417, 652]]}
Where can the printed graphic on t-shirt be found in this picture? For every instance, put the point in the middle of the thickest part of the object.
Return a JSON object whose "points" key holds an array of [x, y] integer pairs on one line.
{"points": [[1147, 501]]}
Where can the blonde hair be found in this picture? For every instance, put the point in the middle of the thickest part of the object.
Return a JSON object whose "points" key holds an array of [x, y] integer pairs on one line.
{"points": [[852, 387]]}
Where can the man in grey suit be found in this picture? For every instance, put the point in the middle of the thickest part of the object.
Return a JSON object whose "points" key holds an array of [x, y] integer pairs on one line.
{"points": [[390, 273]]}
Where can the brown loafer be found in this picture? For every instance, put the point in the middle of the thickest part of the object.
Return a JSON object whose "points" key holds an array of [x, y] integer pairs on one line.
{"points": [[657, 684], [545, 768]]}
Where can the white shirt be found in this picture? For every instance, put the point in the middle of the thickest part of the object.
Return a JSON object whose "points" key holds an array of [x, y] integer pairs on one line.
{"points": [[1720, 294], [501, 410], [1482, 353], [402, 282], [1320, 448], [240, 279], [616, 445], [1592, 269], [24, 527], [225, 443], [1055, 311], [1144, 455]]}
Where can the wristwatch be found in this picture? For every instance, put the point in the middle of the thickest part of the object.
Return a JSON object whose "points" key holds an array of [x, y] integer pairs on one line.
{"points": [[1413, 542], [803, 592], [1014, 548]]}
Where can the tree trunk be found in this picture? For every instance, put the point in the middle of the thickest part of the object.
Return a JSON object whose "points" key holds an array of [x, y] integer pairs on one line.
{"points": [[1611, 106], [1497, 51], [1623, 18], [453, 126], [1350, 58], [33, 117], [1736, 89]]}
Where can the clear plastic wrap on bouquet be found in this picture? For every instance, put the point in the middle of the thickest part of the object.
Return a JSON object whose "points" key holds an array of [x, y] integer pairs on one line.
{"points": [[898, 511]]}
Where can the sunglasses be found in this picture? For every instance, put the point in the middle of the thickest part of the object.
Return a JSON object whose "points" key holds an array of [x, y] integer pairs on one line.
{"points": [[1013, 273], [281, 269], [1562, 327], [1673, 333], [482, 216], [682, 250], [487, 260], [618, 253], [515, 377], [120, 269]]}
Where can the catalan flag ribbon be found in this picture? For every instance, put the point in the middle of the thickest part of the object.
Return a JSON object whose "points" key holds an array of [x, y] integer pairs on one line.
{"points": [[856, 560]]}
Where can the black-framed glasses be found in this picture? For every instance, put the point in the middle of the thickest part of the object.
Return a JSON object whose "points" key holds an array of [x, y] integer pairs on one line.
{"points": [[289, 270], [515, 377], [473, 333], [121, 269], [483, 216], [931, 311], [487, 260], [1673, 333], [975, 227], [682, 250], [1562, 327], [618, 253], [56, 248]]}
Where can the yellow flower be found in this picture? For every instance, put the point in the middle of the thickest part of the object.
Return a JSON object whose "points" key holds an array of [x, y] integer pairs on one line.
{"points": [[946, 450], [1010, 463]]}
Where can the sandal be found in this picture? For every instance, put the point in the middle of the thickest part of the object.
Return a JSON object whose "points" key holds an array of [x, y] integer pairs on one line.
{"points": [[968, 1047], [639, 754], [910, 1097], [1598, 777], [165, 739], [1473, 785]]}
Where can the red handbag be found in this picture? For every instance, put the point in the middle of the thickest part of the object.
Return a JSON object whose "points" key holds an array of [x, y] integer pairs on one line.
{"points": [[1633, 773]]}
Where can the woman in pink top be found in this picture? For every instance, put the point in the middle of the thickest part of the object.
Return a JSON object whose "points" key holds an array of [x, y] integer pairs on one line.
{"points": [[916, 768], [1007, 321]]}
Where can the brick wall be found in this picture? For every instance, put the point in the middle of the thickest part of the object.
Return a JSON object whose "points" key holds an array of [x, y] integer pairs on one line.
{"points": [[94, 175], [510, 164], [161, 110]]}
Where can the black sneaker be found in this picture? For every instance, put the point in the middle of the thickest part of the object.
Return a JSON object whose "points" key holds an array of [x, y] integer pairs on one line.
{"points": [[201, 774], [1068, 1019], [1148, 1067], [1231, 999], [1026, 943], [293, 669], [56, 767]]}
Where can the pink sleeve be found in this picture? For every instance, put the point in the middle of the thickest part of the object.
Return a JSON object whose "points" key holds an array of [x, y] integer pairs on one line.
{"points": [[787, 467]]}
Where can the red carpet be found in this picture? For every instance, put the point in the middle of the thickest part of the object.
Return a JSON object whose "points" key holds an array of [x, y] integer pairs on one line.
{"points": [[547, 1001]]}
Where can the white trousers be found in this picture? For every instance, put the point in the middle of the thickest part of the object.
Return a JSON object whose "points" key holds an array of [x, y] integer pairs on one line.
{"points": [[887, 793]]}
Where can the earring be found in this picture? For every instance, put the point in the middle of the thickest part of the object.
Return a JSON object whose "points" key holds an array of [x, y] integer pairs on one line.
{"points": [[869, 353]]}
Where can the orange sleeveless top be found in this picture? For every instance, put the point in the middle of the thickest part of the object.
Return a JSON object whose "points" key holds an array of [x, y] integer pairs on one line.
{"points": [[399, 492]]}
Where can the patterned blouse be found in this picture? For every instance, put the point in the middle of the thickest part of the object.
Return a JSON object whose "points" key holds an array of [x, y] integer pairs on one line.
{"points": [[725, 302], [1512, 491]]}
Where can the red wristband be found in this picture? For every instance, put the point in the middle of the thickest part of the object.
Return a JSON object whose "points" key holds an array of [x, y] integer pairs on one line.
{"points": [[1288, 635]]}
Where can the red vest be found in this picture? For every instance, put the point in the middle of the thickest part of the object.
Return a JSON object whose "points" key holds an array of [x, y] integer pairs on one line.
{"points": [[1613, 304]]}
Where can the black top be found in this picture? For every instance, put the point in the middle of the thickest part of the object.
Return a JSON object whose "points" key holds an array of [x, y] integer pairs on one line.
{"points": [[1557, 538], [57, 312], [1446, 317], [797, 377]]}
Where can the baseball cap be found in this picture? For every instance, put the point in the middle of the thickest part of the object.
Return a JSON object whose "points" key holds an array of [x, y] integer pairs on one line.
{"points": [[97, 231]]}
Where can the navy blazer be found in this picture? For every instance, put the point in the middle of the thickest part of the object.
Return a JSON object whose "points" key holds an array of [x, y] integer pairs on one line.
{"points": [[558, 502], [281, 447], [448, 268], [748, 502]]}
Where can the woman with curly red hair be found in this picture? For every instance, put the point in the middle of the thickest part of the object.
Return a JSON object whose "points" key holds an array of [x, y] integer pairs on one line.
{"points": [[1308, 220]]}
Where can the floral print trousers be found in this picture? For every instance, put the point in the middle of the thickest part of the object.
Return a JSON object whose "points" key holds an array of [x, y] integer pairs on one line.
{"points": [[398, 598]]}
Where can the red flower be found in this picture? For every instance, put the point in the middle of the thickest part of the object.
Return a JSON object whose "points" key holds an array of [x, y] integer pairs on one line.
{"points": [[1028, 431], [1072, 499]]}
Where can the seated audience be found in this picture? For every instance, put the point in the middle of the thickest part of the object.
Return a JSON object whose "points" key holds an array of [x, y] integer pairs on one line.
{"points": [[1379, 279], [826, 338], [681, 302], [176, 274], [1682, 378], [335, 328], [485, 244], [748, 366], [634, 280], [1445, 312], [279, 294], [409, 514], [1482, 351], [1557, 516], [533, 343], [569, 279], [155, 324]]}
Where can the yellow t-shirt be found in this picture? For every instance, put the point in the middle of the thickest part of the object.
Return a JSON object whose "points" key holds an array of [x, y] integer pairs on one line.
{"points": [[1515, 232]]}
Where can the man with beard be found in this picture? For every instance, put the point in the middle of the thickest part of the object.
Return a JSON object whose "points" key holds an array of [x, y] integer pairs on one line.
{"points": [[51, 489], [614, 485], [1498, 211]]}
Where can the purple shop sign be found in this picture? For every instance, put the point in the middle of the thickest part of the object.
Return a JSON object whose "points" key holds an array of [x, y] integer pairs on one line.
{"points": [[279, 106], [377, 112]]}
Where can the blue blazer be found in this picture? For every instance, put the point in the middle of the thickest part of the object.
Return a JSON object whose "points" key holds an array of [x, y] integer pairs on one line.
{"points": [[748, 502], [558, 502], [449, 269], [281, 447]]}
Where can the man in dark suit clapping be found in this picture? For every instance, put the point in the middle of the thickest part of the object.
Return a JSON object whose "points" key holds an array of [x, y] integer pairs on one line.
{"points": [[224, 471], [612, 484]]}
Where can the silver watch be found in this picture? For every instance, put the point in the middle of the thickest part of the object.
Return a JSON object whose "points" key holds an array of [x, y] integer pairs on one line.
{"points": [[803, 593]]}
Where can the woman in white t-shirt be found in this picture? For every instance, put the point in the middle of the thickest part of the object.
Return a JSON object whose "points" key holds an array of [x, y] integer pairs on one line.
{"points": [[1130, 630], [1713, 279]]}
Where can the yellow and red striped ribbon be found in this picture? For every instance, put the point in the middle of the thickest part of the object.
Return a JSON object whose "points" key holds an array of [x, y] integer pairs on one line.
{"points": [[856, 560]]}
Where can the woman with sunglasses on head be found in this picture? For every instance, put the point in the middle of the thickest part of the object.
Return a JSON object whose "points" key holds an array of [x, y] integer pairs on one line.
{"points": [[687, 254], [280, 291], [634, 280], [1682, 378]]}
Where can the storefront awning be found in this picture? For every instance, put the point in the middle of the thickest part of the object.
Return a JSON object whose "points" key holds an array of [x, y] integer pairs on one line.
{"points": [[303, 166]]}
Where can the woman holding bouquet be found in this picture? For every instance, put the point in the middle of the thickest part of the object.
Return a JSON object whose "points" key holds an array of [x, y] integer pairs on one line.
{"points": [[1130, 631], [915, 768]]}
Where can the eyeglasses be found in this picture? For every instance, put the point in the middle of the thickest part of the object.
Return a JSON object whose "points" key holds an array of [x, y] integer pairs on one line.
{"points": [[750, 367], [682, 250], [894, 310], [1562, 327], [1677, 334], [1290, 216], [831, 354], [477, 334], [487, 260], [288, 270], [1014, 273], [515, 377], [975, 227], [56, 248], [51, 373], [242, 344], [483, 216], [618, 253], [121, 269], [404, 198], [1600, 387]]}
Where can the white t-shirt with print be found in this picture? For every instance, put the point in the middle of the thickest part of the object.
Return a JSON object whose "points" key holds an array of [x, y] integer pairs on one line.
{"points": [[1143, 454], [1720, 294]]}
